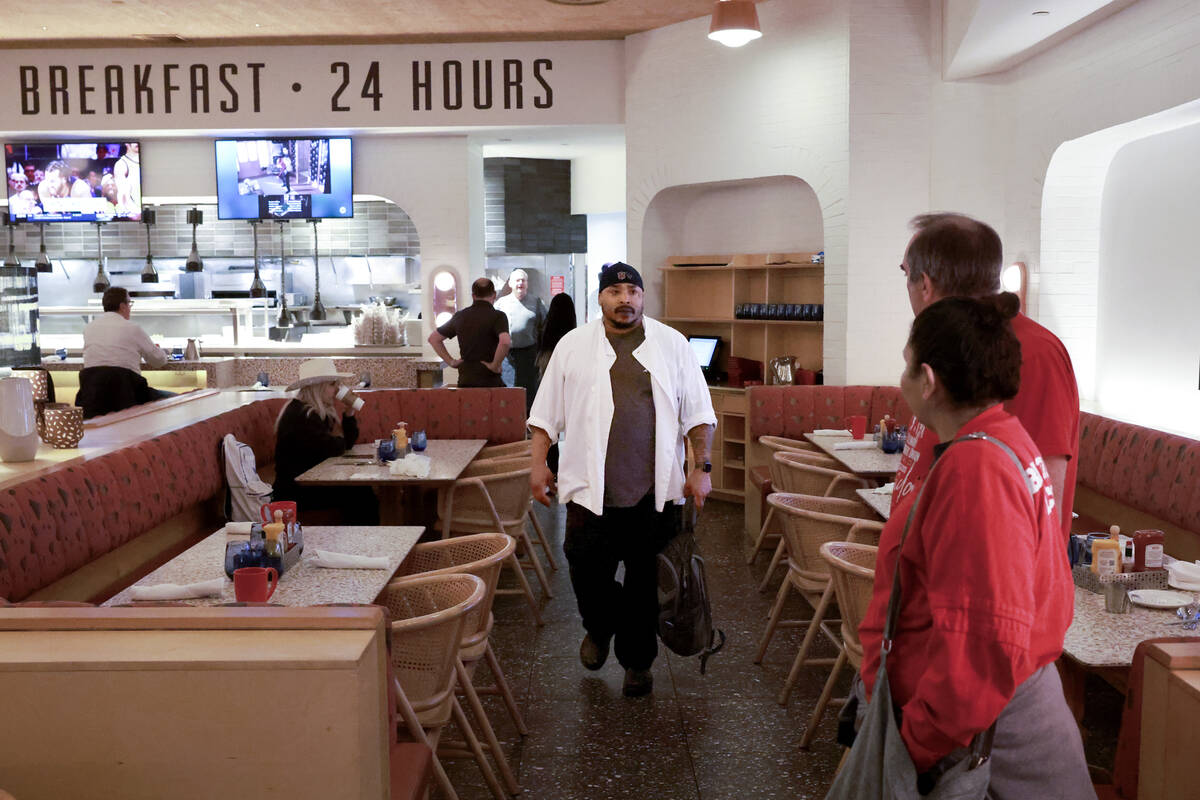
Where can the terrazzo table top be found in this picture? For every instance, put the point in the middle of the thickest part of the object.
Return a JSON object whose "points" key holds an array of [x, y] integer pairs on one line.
{"points": [[448, 458], [302, 585], [869, 463], [1097, 638], [881, 504]]}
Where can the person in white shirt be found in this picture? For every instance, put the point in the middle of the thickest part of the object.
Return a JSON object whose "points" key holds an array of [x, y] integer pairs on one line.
{"points": [[625, 389], [113, 350], [526, 318]]}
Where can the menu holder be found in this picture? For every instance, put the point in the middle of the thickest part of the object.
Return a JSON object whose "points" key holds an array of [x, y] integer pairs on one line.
{"points": [[1086, 579]]}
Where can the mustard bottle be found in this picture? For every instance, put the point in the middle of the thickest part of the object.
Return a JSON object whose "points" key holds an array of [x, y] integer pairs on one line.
{"points": [[1106, 553], [400, 437]]}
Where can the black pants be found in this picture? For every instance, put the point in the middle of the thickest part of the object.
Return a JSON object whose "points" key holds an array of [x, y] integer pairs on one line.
{"points": [[523, 361], [595, 546]]}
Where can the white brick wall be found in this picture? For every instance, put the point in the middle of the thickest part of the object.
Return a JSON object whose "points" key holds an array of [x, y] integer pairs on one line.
{"points": [[698, 112]]}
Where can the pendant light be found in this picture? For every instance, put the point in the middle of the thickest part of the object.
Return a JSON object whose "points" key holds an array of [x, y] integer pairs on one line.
{"points": [[257, 287], [284, 320], [734, 23], [318, 309], [101, 283], [149, 273], [11, 259], [195, 217], [43, 260]]}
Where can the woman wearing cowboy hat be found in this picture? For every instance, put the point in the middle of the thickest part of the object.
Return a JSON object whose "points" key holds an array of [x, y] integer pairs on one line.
{"points": [[311, 428]]}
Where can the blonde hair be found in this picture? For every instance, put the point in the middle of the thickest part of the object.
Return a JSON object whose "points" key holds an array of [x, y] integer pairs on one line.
{"points": [[310, 396]]}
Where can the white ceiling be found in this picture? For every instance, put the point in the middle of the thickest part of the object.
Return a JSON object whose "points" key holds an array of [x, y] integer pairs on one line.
{"points": [[985, 36]]}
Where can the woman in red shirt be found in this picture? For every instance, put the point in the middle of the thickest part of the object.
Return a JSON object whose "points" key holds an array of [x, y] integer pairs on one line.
{"points": [[987, 591]]}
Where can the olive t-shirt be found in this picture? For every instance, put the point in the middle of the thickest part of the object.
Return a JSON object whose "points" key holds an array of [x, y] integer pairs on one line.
{"points": [[629, 461]]}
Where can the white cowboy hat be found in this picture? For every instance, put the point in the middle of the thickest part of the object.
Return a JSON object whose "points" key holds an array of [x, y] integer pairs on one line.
{"points": [[317, 370]]}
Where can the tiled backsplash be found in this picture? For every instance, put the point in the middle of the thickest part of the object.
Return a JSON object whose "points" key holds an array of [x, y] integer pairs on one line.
{"points": [[377, 228]]}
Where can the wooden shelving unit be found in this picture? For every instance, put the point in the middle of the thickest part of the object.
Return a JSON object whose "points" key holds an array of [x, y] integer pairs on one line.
{"points": [[700, 294]]}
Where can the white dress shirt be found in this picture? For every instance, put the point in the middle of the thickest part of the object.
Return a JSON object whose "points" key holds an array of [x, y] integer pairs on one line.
{"points": [[110, 340], [575, 397]]}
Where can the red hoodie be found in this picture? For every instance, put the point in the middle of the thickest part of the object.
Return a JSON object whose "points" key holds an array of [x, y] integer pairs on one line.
{"points": [[987, 591]]}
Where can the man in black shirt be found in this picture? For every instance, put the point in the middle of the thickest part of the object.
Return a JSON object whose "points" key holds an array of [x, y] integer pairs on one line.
{"points": [[483, 339]]}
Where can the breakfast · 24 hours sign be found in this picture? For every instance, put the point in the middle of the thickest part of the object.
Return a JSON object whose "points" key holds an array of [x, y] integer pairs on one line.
{"points": [[527, 83]]}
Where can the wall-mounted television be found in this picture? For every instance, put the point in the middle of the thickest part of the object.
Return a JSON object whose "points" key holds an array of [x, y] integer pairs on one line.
{"points": [[74, 181], [299, 178]]}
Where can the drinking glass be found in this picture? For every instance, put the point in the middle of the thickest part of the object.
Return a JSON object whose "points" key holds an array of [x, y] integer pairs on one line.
{"points": [[386, 450], [418, 441], [236, 554]]}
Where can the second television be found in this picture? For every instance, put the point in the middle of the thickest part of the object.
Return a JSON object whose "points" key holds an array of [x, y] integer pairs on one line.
{"points": [[284, 178]]}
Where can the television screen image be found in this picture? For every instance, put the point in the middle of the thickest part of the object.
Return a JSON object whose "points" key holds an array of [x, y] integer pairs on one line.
{"points": [[74, 181], [705, 348], [309, 178]]}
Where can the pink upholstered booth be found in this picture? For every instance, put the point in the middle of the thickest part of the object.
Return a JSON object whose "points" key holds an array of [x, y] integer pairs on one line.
{"points": [[793, 411], [85, 531], [1139, 477]]}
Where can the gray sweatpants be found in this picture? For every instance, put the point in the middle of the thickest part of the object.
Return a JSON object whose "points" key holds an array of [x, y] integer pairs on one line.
{"points": [[1037, 751]]}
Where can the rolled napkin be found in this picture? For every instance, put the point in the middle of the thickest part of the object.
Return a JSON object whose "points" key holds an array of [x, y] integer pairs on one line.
{"points": [[324, 558], [362, 475], [830, 432], [237, 529], [412, 465], [179, 591], [1184, 572], [859, 445], [885, 489]]}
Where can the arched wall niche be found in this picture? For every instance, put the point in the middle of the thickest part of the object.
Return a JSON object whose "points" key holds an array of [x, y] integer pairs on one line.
{"points": [[778, 213], [1099, 272]]}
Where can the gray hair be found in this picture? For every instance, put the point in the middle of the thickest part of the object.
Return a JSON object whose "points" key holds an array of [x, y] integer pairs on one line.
{"points": [[961, 255]]}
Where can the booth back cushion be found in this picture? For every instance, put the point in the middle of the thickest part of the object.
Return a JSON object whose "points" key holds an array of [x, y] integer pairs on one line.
{"points": [[793, 411], [54, 524], [497, 415], [1152, 471]]}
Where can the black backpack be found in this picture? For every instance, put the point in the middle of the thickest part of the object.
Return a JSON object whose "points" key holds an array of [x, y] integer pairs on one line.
{"points": [[684, 614]]}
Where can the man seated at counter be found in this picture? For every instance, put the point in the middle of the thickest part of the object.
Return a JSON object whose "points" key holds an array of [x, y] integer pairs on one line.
{"points": [[113, 350]]}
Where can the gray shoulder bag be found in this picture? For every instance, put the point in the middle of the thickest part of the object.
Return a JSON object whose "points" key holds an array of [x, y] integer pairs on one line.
{"points": [[879, 765]]}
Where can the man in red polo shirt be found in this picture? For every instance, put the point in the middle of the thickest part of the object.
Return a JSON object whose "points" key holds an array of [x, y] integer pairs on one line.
{"points": [[953, 255]]}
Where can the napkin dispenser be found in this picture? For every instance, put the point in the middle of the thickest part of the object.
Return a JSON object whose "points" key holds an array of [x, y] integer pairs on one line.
{"points": [[252, 552]]}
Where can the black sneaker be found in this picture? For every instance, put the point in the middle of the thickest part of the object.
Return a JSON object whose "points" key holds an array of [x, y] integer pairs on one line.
{"points": [[591, 654], [638, 683]]}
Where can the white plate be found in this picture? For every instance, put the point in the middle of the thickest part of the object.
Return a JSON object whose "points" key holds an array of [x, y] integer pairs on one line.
{"points": [[1159, 598]]}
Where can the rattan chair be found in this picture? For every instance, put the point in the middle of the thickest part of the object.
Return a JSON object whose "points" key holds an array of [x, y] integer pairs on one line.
{"points": [[777, 444], [508, 450], [517, 459], [852, 571], [482, 555], [808, 523], [800, 473], [428, 616], [495, 496]]}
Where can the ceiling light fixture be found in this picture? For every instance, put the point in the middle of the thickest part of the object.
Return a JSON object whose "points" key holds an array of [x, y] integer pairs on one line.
{"points": [[734, 23]]}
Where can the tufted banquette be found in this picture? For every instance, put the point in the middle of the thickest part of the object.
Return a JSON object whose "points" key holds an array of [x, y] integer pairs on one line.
{"points": [[90, 528], [1139, 477], [1129, 475], [793, 411]]}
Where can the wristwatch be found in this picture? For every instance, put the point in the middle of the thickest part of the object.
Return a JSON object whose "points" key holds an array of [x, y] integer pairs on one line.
{"points": [[706, 466]]}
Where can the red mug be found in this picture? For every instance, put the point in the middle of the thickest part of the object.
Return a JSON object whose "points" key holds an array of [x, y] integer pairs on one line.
{"points": [[858, 425], [250, 584]]}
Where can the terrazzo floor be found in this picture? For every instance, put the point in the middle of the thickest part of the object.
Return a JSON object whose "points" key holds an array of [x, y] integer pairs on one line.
{"points": [[697, 737]]}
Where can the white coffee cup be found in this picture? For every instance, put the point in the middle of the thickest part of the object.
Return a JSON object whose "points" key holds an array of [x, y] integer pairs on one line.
{"points": [[350, 398]]}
